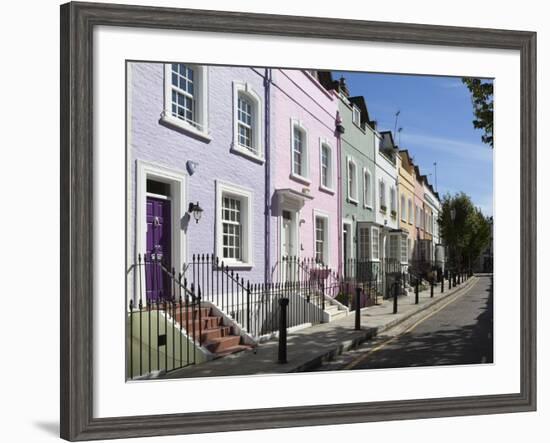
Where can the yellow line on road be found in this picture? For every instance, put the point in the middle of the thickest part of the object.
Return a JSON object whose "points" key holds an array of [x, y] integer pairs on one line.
{"points": [[390, 340]]}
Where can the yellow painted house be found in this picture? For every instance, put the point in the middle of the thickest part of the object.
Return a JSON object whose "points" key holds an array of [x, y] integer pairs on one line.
{"points": [[405, 184]]}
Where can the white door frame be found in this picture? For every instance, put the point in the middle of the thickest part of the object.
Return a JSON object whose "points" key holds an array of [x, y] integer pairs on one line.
{"points": [[178, 193]]}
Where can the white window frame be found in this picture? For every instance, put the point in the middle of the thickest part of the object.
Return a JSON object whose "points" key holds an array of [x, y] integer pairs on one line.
{"points": [[363, 241], [367, 188], [382, 196], [424, 219], [403, 208], [246, 197], [352, 199], [394, 244], [246, 90], [356, 115], [200, 84], [326, 251], [323, 142], [393, 200], [410, 211], [303, 178]]}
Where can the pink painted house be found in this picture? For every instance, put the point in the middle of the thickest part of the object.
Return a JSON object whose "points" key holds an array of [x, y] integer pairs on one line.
{"points": [[304, 217]]}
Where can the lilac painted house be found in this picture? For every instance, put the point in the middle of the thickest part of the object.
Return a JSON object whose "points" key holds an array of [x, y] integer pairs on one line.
{"points": [[196, 139], [304, 217]]}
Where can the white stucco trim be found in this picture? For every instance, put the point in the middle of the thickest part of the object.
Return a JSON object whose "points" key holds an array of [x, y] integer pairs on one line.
{"points": [[303, 178], [178, 191], [351, 161], [248, 239], [201, 101], [375, 233], [352, 240], [294, 206], [246, 89], [366, 205]]}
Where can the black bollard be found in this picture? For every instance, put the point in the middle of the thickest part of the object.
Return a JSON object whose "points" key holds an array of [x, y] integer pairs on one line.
{"points": [[450, 279], [395, 291], [283, 305], [357, 309], [442, 285], [431, 287], [417, 283]]}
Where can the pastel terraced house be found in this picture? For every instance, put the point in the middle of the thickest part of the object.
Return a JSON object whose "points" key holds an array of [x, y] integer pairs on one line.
{"points": [[406, 187], [357, 168], [304, 183], [393, 240], [419, 214], [190, 128], [433, 206]]}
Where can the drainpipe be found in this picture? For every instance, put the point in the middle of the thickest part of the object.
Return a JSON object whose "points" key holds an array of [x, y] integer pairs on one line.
{"points": [[267, 169], [339, 189]]}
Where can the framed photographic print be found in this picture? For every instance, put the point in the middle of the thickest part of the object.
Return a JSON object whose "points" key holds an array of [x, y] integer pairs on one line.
{"points": [[272, 221]]}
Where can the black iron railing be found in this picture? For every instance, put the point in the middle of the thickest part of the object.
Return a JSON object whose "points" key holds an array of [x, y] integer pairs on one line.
{"points": [[255, 306], [165, 320]]}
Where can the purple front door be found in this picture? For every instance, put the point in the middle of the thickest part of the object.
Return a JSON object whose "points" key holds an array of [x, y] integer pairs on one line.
{"points": [[158, 253]]}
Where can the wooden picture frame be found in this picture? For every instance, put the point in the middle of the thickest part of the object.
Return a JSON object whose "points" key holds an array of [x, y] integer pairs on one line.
{"points": [[77, 23]]}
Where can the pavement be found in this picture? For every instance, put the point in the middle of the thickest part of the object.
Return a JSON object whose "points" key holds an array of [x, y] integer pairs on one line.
{"points": [[310, 347]]}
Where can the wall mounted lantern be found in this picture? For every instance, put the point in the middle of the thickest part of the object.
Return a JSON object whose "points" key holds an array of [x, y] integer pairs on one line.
{"points": [[196, 210]]}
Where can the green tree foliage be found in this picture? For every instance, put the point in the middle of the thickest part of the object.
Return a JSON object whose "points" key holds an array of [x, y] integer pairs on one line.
{"points": [[468, 233], [482, 101]]}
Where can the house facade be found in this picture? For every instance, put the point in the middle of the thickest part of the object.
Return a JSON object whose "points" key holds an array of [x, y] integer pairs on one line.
{"points": [[432, 202], [190, 128], [357, 172], [304, 202], [406, 187], [393, 240], [419, 218], [427, 246], [315, 178]]}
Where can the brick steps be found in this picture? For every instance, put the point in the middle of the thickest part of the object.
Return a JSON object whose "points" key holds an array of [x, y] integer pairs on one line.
{"points": [[221, 344], [215, 336]]}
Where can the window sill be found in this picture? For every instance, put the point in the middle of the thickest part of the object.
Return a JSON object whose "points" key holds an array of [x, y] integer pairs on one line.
{"points": [[237, 264], [184, 127], [300, 179], [245, 152], [369, 207], [327, 190], [352, 200]]}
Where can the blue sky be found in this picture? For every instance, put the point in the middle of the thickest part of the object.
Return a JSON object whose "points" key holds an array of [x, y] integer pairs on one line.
{"points": [[436, 117]]}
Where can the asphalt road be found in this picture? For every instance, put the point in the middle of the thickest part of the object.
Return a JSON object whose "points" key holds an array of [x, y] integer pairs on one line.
{"points": [[459, 333]]}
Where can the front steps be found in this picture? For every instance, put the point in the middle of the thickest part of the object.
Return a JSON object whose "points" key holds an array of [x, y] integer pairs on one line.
{"points": [[217, 338], [334, 312]]}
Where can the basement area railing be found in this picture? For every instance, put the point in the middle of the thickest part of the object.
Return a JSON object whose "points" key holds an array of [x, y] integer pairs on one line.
{"points": [[164, 320]]}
